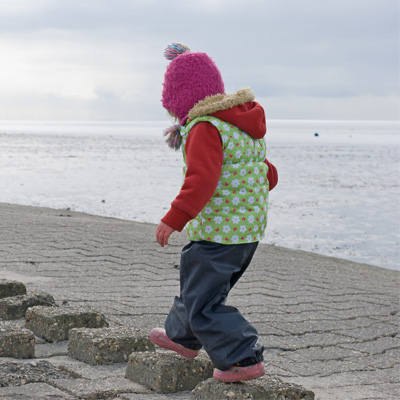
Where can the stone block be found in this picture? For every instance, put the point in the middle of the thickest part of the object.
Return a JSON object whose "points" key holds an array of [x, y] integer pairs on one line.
{"points": [[265, 388], [15, 307], [34, 391], [16, 342], [107, 345], [11, 288], [166, 372], [21, 373], [54, 323]]}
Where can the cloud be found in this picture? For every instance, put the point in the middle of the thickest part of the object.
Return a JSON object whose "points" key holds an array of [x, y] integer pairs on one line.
{"points": [[107, 56], [51, 63], [332, 108], [11, 8]]}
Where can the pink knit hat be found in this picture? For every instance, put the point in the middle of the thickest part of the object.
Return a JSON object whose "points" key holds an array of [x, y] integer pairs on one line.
{"points": [[190, 77]]}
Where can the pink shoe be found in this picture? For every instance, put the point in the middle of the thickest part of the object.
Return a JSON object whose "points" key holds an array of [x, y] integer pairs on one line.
{"points": [[160, 338], [237, 374]]}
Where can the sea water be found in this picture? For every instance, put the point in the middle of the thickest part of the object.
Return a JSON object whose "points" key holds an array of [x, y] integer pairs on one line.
{"points": [[338, 192]]}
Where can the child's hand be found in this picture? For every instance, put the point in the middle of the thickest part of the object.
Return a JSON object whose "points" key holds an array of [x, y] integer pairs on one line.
{"points": [[163, 233]]}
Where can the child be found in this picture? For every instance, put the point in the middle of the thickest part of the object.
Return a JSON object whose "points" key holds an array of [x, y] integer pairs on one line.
{"points": [[223, 203]]}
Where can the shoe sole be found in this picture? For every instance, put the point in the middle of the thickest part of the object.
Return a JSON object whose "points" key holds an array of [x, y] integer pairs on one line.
{"points": [[254, 373]]}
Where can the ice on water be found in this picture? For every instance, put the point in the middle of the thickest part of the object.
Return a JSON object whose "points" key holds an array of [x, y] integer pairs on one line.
{"points": [[338, 192]]}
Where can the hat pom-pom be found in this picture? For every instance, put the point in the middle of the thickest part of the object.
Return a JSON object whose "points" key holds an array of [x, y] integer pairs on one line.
{"points": [[174, 139], [174, 50]]}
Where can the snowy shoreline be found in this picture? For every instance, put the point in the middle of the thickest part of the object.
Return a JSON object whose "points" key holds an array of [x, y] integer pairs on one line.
{"points": [[337, 195]]}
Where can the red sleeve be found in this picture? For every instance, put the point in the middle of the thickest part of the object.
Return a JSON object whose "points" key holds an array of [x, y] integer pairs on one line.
{"points": [[204, 157], [272, 174]]}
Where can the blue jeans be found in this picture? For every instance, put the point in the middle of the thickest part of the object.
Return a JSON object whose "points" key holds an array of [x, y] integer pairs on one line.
{"points": [[199, 316]]}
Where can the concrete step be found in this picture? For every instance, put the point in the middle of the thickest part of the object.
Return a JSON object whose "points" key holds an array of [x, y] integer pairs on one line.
{"points": [[15, 307], [107, 345], [40, 379], [167, 372], [16, 342], [266, 388], [34, 391], [54, 323], [11, 288], [18, 372]]}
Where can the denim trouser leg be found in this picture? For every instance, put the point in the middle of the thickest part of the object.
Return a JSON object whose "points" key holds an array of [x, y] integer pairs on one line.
{"points": [[199, 316]]}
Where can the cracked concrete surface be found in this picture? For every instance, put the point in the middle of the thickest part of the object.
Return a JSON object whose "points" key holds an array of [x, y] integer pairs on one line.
{"points": [[328, 324]]}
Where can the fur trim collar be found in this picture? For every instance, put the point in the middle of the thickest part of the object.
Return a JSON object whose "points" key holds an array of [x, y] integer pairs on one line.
{"points": [[219, 102]]}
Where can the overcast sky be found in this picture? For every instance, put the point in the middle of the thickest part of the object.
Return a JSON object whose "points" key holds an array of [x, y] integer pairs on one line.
{"points": [[103, 59]]}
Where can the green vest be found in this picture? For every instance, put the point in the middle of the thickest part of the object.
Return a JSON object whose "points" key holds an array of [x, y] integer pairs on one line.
{"points": [[237, 211]]}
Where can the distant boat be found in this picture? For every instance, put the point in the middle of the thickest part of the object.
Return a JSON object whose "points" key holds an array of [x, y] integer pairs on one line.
{"points": [[316, 134]]}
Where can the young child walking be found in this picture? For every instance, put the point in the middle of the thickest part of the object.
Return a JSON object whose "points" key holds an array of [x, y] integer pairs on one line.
{"points": [[223, 203]]}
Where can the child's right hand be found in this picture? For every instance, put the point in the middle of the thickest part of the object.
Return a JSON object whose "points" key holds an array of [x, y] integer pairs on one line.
{"points": [[163, 233]]}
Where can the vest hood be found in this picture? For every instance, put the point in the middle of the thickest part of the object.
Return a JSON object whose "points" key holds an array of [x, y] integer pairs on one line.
{"points": [[238, 109]]}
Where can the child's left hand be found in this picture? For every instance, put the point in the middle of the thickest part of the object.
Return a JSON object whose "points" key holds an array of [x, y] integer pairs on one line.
{"points": [[163, 233]]}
